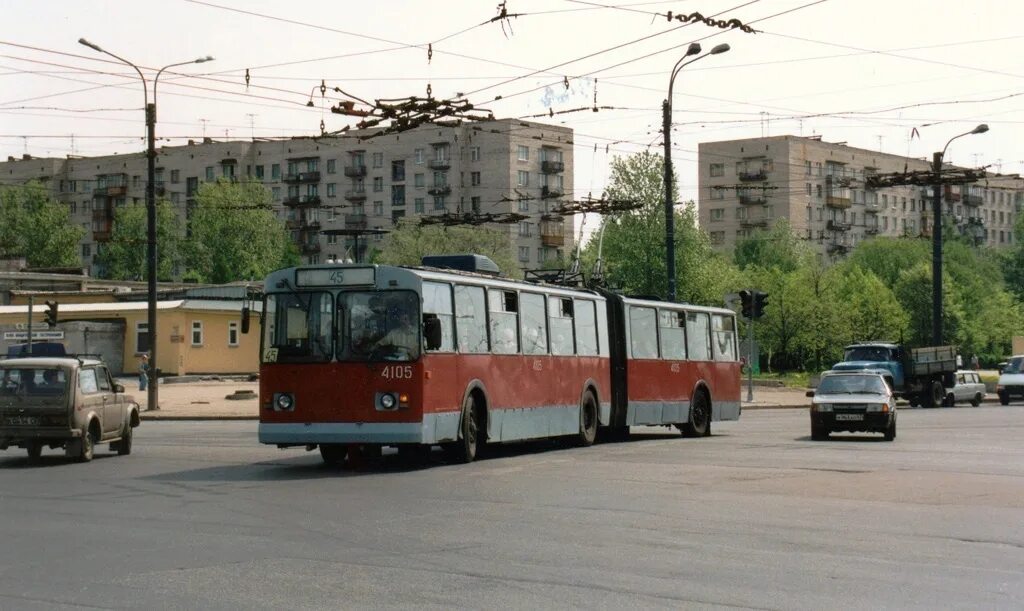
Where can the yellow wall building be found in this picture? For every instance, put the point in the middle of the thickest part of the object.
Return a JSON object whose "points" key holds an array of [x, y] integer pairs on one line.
{"points": [[194, 336]]}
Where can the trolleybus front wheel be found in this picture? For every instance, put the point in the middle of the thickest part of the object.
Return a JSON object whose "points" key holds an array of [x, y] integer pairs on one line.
{"points": [[464, 450]]}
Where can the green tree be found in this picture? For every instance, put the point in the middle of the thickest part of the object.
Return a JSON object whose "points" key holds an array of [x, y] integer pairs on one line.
{"points": [[125, 256], [870, 308], [410, 242], [234, 234], [634, 241], [779, 247], [38, 228]]}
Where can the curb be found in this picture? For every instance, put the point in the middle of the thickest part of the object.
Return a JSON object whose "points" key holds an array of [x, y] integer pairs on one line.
{"points": [[155, 417]]}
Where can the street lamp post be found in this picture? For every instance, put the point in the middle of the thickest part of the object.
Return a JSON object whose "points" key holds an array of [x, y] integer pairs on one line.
{"points": [[152, 397], [666, 119], [937, 236]]}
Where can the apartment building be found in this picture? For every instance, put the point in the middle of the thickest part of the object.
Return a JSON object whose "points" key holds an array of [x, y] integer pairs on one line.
{"points": [[745, 185], [335, 193]]}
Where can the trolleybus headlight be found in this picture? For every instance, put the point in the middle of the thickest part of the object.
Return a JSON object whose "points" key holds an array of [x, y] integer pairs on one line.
{"points": [[387, 401], [285, 402]]}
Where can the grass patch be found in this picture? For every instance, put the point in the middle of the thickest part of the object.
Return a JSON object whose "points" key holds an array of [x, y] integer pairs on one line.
{"points": [[798, 379]]}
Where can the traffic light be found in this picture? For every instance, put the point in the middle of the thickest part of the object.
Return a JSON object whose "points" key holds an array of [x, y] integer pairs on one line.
{"points": [[747, 301], [760, 301], [51, 313]]}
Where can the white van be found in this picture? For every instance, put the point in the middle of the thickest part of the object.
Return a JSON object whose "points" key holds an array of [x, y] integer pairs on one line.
{"points": [[1011, 380]]}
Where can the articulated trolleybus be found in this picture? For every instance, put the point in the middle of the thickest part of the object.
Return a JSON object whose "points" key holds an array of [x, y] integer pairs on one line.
{"points": [[375, 355]]}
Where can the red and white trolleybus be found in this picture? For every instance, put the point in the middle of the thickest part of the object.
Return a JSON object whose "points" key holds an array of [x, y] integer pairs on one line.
{"points": [[374, 355]]}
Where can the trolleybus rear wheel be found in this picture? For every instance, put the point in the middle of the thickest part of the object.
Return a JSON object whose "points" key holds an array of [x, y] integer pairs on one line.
{"points": [[699, 424], [588, 420]]}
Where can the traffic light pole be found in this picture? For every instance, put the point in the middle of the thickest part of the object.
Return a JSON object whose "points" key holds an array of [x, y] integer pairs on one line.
{"points": [[750, 360]]}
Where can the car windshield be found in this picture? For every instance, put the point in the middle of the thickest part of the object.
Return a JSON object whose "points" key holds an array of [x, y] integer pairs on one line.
{"points": [[853, 384], [378, 326], [297, 328], [1015, 365], [33, 382], [867, 353]]}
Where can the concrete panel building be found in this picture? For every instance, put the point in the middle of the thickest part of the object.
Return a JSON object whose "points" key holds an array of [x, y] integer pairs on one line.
{"points": [[353, 181], [746, 185]]}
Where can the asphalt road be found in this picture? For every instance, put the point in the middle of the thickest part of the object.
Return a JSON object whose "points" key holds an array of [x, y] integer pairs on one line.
{"points": [[201, 516]]}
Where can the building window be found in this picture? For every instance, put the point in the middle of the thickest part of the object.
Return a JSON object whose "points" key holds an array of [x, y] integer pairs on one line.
{"points": [[418, 203], [397, 195], [418, 156], [717, 237], [378, 208], [817, 190], [86, 251], [275, 171], [332, 239], [438, 203], [378, 183], [275, 192], [419, 181], [717, 193], [141, 337], [209, 173], [197, 333], [524, 229], [718, 169], [332, 189], [175, 176], [523, 178], [524, 254], [524, 205], [474, 153], [474, 202], [398, 170], [523, 154], [378, 160], [232, 333], [474, 179], [717, 214], [741, 213]]}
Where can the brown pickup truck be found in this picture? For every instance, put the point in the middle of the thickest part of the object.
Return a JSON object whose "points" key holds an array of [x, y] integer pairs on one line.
{"points": [[64, 402]]}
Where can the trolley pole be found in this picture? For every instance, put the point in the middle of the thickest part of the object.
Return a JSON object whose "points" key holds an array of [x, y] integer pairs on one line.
{"points": [[28, 341]]}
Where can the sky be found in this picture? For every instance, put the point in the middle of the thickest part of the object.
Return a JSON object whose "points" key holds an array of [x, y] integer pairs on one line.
{"points": [[900, 76]]}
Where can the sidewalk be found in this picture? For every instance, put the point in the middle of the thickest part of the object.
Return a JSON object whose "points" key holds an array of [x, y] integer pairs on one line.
{"points": [[202, 400]]}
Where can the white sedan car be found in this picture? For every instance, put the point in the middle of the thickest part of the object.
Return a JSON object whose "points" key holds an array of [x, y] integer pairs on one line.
{"points": [[968, 389]]}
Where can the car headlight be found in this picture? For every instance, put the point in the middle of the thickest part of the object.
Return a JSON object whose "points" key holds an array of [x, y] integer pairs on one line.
{"points": [[878, 407], [387, 401], [823, 407], [285, 402]]}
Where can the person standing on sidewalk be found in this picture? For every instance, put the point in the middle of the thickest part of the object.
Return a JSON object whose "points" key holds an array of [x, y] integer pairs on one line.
{"points": [[143, 371]]}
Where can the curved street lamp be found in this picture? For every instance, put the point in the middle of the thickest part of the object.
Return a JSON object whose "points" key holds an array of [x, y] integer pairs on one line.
{"points": [[152, 398], [666, 119], [937, 236]]}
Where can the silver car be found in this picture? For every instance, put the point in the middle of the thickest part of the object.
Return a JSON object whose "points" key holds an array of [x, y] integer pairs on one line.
{"points": [[968, 389]]}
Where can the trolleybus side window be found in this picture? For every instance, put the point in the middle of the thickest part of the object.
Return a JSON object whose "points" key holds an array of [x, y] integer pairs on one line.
{"points": [[586, 328], [560, 315], [504, 306], [673, 334], [298, 329], [533, 321], [698, 336], [471, 319], [643, 333], [437, 301], [725, 337]]}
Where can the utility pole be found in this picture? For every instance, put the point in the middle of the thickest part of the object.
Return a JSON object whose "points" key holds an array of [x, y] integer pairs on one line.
{"points": [[28, 342], [750, 359]]}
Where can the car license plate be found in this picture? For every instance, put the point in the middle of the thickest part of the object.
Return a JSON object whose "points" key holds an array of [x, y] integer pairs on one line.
{"points": [[23, 420], [849, 416]]}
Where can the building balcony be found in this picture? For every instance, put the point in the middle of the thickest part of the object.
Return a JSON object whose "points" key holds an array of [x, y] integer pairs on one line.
{"points": [[837, 226], [842, 181], [159, 189], [552, 167], [302, 177], [309, 225], [309, 248], [355, 171], [950, 195], [355, 221], [302, 201], [872, 208], [292, 224], [754, 223], [838, 248], [752, 200], [552, 239], [753, 175], [356, 195], [439, 164], [973, 200], [102, 215], [871, 230], [835, 201], [440, 190], [117, 191], [550, 192]]}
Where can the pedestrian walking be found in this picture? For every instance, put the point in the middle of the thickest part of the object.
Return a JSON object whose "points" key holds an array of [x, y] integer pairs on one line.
{"points": [[975, 365], [143, 371]]}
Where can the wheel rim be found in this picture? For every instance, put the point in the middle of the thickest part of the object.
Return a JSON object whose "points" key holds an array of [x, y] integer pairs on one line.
{"points": [[589, 417], [471, 426], [699, 415]]}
